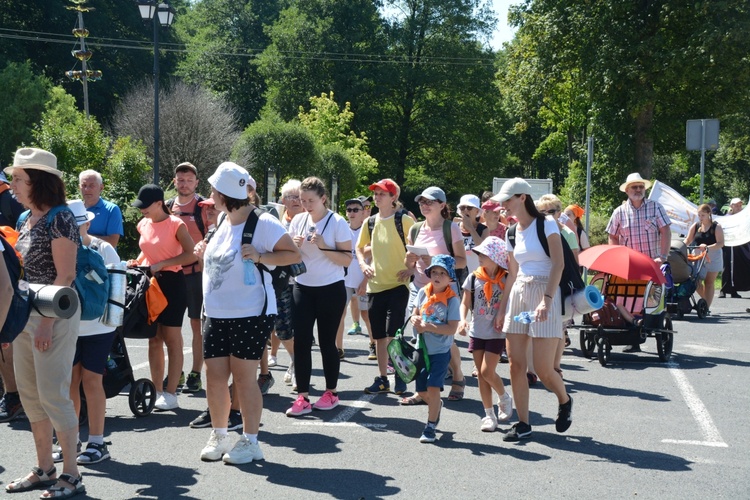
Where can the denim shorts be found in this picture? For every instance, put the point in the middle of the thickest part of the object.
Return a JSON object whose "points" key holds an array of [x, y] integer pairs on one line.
{"points": [[436, 375]]}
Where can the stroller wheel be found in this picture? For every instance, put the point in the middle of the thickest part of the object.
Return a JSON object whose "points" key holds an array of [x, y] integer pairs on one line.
{"points": [[142, 397], [603, 352], [701, 308], [588, 343], [664, 341]]}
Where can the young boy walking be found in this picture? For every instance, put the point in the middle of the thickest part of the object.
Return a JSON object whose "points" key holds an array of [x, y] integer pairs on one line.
{"points": [[436, 318]]}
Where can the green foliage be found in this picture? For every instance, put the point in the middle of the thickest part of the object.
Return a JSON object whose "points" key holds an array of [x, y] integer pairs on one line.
{"points": [[331, 127], [597, 229], [270, 143], [79, 143], [22, 103]]}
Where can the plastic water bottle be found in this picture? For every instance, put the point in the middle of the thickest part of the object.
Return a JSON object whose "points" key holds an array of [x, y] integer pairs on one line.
{"points": [[249, 267], [23, 289], [525, 317]]}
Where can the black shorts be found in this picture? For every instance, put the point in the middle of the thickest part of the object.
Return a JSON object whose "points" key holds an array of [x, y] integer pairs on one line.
{"points": [[172, 284], [92, 351], [387, 311], [243, 338], [194, 286]]}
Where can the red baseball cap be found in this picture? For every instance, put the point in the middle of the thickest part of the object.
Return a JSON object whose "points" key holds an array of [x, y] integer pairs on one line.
{"points": [[206, 202], [386, 185]]}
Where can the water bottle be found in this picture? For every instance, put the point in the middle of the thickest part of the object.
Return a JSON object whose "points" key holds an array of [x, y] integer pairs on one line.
{"points": [[249, 267], [525, 317], [23, 289]]}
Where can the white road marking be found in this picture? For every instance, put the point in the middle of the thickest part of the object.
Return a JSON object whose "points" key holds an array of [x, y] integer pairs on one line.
{"points": [[711, 434], [341, 424]]}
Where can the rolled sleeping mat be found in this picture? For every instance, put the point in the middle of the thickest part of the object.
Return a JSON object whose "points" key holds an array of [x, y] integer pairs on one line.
{"points": [[583, 301], [114, 313], [52, 301]]}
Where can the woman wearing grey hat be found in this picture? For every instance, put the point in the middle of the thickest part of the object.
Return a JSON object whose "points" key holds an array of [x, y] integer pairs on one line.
{"points": [[43, 352]]}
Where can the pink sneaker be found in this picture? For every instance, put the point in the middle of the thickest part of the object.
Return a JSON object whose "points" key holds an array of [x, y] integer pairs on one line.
{"points": [[328, 401], [299, 407]]}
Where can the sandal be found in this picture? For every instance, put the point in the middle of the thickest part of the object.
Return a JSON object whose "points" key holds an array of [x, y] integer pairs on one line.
{"points": [[456, 394], [64, 491], [94, 454], [474, 372], [416, 399], [567, 340], [24, 484]]}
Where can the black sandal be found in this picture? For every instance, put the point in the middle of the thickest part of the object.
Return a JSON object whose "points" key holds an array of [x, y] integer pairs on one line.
{"points": [[23, 483], [94, 454], [60, 492]]}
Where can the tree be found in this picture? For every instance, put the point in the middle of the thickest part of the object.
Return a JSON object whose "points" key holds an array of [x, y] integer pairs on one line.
{"points": [[223, 39], [194, 126], [332, 127], [22, 102]]}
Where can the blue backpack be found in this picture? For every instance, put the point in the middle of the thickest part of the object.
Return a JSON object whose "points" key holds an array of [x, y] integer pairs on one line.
{"points": [[20, 305], [92, 279]]}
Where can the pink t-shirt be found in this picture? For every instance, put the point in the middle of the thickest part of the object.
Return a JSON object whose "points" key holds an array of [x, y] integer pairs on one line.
{"points": [[159, 241], [435, 243]]}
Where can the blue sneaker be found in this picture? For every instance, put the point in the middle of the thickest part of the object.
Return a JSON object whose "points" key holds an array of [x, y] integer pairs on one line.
{"points": [[380, 385], [428, 435], [400, 386], [355, 329]]}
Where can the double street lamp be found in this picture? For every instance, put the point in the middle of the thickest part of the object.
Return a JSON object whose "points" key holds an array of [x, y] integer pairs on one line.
{"points": [[160, 14]]}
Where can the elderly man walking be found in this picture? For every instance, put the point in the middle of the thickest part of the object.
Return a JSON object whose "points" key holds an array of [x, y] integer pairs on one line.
{"points": [[641, 224]]}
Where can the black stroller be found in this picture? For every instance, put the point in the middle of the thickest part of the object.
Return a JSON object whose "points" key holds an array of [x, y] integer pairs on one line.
{"points": [[119, 371], [685, 270]]}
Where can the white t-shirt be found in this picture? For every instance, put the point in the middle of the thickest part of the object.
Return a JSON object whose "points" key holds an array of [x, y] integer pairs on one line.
{"points": [[109, 254], [225, 294], [354, 276], [529, 253], [321, 271]]}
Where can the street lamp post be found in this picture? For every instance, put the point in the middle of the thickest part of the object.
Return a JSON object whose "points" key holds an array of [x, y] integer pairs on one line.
{"points": [[160, 14]]}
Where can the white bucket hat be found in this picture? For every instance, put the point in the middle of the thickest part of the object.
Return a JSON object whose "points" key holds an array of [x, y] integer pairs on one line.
{"points": [[34, 158], [79, 210], [634, 178]]}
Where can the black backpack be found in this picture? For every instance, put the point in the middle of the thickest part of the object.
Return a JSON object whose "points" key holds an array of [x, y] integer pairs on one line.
{"points": [[20, 305], [197, 214], [397, 219], [570, 280]]}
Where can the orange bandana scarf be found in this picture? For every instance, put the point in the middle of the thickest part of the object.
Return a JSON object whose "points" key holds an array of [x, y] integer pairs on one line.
{"points": [[433, 298], [481, 273]]}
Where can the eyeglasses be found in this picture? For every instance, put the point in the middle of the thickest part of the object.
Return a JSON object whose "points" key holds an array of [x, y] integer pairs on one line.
{"points": [[551, 211], [291, 197], [353, 210], [637, 186], [466, 208], [426, 202]]}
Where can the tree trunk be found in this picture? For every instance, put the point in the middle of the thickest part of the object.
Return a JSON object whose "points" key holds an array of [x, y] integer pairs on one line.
{"points": [[644, 142]]}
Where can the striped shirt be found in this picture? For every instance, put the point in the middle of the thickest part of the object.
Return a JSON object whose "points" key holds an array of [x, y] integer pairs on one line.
{"points": [[638, 228]]}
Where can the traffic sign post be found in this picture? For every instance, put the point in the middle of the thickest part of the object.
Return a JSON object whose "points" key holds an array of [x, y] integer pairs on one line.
{"points": [[702, 135]]}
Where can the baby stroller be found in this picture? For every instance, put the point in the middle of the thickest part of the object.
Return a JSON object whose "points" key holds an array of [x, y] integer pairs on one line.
{"points": [[119, 371], [685, 270]]}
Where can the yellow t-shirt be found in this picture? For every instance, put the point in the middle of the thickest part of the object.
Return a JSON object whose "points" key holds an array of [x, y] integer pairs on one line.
{"points": [[388, 251]]}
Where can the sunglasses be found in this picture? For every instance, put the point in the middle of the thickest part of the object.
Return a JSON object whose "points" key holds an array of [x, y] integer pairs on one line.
{"points": [[637, 186], [466, 208], [426, 202], [551, 211], [353, 210]]}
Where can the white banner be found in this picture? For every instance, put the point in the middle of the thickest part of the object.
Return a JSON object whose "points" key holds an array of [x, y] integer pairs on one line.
{"points": [[684, 214]]}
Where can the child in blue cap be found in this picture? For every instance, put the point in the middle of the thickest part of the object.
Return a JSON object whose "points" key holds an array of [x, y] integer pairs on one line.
{"points": [[436, 318]]}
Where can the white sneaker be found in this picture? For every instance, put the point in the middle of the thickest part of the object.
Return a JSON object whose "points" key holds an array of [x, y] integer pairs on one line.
{"points": [[289, 375], [166, 401], [271, 360], [504, 408], [489, 423], [217, 446], [243, 452]]}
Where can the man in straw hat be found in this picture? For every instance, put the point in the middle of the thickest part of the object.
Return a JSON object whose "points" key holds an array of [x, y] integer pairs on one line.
{"points": [[641, 224]]}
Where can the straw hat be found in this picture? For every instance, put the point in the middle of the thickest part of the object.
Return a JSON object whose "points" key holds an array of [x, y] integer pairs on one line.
{"points": [[634, 178]]}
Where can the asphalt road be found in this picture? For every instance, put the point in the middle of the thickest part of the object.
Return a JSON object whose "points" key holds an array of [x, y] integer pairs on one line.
{"points": [[642, 429]]}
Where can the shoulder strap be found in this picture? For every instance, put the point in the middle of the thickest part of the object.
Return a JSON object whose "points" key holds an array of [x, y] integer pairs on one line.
{"points": [[198, 216], [414, 232], [512, 235], [22, 219], [247, 238], [471, 290], [398, 219], [540, 234], [371, 225], [447, 236], [170, 203]]}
